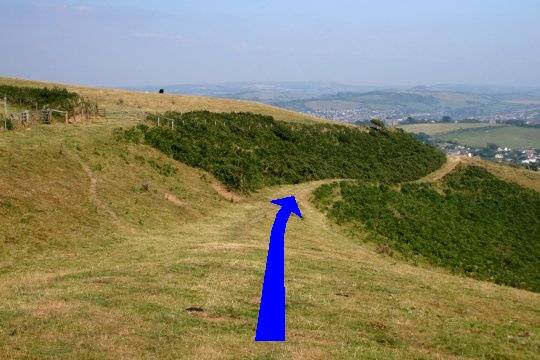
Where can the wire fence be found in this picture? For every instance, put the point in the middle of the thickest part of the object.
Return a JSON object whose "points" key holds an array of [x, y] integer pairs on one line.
{"points": [[12, 117]]}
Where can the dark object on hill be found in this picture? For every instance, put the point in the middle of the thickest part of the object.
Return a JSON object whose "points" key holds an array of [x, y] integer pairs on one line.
{"points": [[194, 309], [377, 124], [247, 151], [161, 91], [471, 222]]}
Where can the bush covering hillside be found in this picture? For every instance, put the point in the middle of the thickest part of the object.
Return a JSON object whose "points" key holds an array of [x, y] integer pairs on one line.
{"points": [[31, 97], [247, 151], [473, 223]]}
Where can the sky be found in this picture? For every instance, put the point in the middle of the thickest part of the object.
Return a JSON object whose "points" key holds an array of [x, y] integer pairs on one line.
{"points": [[383, 42]]}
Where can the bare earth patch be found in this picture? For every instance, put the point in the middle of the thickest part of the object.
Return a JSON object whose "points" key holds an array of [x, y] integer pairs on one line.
{"points": [[225, 193], [173, 199]]}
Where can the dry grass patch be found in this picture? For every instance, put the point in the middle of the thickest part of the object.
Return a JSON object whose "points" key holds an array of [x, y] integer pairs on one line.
{"points": [[123, 100]]}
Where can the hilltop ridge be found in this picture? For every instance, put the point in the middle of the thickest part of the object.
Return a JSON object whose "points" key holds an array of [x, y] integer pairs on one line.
{"points": [[132, 101]]}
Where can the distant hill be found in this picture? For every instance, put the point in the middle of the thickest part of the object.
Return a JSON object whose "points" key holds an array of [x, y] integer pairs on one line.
{"points": [[424, 103], [269, 92], [351, 103]]}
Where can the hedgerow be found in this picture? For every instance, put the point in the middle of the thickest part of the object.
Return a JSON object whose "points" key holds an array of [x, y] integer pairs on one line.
{"points": [[31, 97], [471, 222], [247, 151]]}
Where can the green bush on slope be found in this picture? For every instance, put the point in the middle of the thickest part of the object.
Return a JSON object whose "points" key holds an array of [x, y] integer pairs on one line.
{"points": [[34, 98], [477, 224], [247, 151], [30, 97]]}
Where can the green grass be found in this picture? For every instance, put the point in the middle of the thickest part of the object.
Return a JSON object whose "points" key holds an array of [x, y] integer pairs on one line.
{"points": [[511, 136], [440, 128], [473, 223], [247, 151]]}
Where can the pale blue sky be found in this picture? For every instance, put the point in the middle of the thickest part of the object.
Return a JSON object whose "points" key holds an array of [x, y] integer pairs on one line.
{"points": [[383, 42]]}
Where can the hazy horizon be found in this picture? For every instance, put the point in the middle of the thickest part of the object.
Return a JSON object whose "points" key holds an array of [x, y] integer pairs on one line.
{"points": [[124, 43], [330, 82]]}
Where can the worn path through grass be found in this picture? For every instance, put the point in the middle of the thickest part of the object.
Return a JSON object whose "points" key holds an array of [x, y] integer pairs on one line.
{"points": [[129, 300]]}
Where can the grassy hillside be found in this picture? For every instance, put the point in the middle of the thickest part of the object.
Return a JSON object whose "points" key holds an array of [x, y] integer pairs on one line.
{"points": [[247, 151], [134, 103], [526, 178], [471, 222], [440, 128], [62, 184], [111, 249]]}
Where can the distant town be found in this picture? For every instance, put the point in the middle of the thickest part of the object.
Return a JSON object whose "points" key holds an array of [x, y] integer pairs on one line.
{"points": [[529, 158], [396, 116]]}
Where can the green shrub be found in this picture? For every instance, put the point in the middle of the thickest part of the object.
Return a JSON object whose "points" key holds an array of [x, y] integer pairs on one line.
{"points": [[31, 96], [134, 134], [163, 169], [54, 98], [477, 224], [247, 151], [8, 123]]}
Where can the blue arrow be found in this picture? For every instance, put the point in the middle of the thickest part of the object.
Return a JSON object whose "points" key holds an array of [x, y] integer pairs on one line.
{"points": [[271, 323]]}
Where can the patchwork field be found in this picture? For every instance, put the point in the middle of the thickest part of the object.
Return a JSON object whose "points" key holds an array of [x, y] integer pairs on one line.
{"points": [[511, 136], [480, 134]]}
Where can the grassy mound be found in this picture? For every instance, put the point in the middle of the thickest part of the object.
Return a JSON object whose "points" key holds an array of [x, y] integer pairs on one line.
{"points": [[473, 223], [247, 151]]}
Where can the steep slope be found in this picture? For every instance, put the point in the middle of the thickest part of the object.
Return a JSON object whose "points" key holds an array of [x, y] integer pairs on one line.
{"points": [[112, 250], [469, 221], [62, 183]]}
